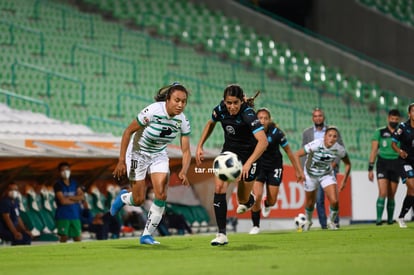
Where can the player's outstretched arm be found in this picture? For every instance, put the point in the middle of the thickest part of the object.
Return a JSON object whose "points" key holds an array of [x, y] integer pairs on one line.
{"points": [[186, 160], [120, 169], [208, 129]]}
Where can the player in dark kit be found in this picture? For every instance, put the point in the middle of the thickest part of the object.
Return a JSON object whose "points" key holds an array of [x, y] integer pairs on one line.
{"points": [[405, 135], [271, 169], [244, 136]]}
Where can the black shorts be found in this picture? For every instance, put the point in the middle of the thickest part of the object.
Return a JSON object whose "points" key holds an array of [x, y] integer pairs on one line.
{"points": [[407, 169], [244, 156], [388, 169], [270, 177]]}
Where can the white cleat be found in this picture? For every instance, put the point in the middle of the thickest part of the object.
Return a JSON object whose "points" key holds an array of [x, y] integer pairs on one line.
{"points": [[242, 208], [332, 226], [307, 226], [220, 239], [401, 223], [255, 230], [266, 211]]}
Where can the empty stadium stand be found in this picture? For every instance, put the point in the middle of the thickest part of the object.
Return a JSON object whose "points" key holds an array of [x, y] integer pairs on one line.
{"points": [[99, 63], [401, 10]]}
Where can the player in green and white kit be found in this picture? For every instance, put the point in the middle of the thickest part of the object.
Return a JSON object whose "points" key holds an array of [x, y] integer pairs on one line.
{"points": [[321, 153], [388, 166], [154, 128]]}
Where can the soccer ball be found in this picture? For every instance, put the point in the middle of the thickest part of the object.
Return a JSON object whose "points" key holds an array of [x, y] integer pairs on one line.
{"points": [[300, 221], [227, 166]]}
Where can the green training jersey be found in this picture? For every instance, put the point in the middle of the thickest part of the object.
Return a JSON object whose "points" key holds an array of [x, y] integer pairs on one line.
{"points": [[383, 136]]}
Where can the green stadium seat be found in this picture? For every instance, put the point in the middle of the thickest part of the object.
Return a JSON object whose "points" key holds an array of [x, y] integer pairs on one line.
{"points": [[217, 34]]}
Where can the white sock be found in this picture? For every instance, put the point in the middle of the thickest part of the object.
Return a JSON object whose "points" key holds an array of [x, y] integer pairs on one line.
{"points": [[332, 215], [154, 217], [127, 198], [309, 214]]}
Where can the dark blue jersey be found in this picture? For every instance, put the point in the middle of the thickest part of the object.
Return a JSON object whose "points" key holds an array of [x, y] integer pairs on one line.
{"points": [[67, 211], [11, 207], [405, 135], [238, 129], [272, 158]]}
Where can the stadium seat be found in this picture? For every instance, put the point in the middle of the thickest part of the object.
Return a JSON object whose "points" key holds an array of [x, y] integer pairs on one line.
{"points": [[232, 52]]}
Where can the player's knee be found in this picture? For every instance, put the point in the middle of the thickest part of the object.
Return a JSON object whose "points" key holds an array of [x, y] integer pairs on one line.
{"points": [[334, 203], [138, 200]]}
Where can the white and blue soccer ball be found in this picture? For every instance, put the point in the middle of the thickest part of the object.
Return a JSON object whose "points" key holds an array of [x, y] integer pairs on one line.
{"points": [[300, 222], [227, 166]]}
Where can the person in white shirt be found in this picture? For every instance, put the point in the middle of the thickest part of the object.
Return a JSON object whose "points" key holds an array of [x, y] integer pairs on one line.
{"points": [[318, 171], [150, 132]]}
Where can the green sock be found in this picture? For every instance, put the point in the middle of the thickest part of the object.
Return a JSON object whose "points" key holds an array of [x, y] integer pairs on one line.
{"points": [[159, 203], [309, 213], [390, 210], [380, 208]]}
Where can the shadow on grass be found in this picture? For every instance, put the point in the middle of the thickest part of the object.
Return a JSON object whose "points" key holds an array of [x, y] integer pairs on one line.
{"points": [[138, 246], [246, 247]]}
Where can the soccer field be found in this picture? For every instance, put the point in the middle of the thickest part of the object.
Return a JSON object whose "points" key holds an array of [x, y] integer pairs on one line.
{"points": [[356, 249]]}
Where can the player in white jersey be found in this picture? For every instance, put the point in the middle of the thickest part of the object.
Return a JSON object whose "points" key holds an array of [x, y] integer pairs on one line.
{"points": [[321, 153], [153, 129]]}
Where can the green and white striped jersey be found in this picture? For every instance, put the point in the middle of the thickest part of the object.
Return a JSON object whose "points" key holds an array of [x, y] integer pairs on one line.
{"points": [[319, 159], [159, 129]]}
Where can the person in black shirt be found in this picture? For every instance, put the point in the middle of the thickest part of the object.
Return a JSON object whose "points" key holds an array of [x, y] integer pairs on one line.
{"points": [[271, 169], [405, 135], [244, 136]]}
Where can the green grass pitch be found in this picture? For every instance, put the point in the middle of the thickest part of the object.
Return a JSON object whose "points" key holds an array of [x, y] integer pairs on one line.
{"points": [[356, 249]]}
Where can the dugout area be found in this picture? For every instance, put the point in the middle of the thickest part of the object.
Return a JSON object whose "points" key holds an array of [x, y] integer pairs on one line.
{"points": [[32, 164]]}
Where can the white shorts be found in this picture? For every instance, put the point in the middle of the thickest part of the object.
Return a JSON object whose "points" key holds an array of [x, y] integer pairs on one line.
{"points": [[139, 164], [312, 183]]}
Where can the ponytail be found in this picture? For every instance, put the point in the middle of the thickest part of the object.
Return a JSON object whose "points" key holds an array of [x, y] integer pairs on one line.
{"points": [[164, 93], [250, 100]]}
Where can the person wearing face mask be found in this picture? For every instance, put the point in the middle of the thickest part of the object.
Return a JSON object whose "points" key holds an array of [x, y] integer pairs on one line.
{"points": [[12, 227], [68, 196], [314, 132], [387, 166]]}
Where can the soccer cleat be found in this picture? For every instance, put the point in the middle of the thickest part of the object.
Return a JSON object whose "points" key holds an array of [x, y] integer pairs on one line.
{"points": [[401, 223], [307, 226], [266, 211], [148, 239], [117, 204], [255, 230], [220, 239], [247, 206], [332, 226]]}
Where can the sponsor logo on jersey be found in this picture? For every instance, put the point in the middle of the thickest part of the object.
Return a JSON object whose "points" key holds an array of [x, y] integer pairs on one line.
{"points": [[255, 122], [230, 130]]}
